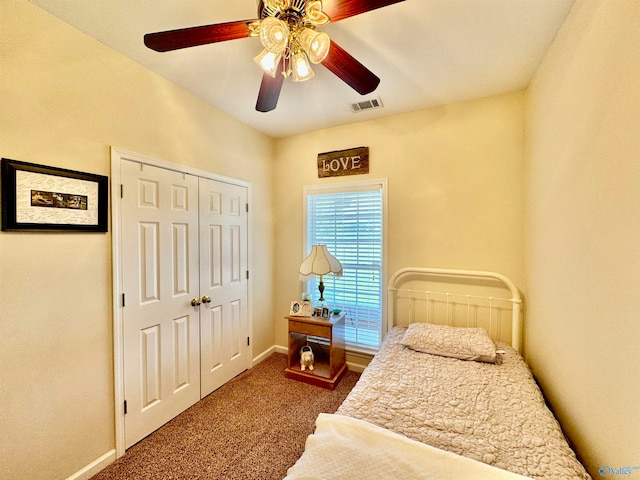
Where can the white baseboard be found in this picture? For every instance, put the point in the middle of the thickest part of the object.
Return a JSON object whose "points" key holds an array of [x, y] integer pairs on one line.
{"points": [[95, 466], [263, 356], [268, 352], [355, 367]]}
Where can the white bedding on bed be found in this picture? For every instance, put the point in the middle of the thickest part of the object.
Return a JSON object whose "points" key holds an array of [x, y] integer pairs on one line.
{"points": [[347, 448], [493, 414]]}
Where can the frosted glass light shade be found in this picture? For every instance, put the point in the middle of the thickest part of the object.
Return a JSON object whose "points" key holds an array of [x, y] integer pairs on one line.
{"points": [[268, 61], [320, 262], [274, 34], [316, 44], [300, 68]]}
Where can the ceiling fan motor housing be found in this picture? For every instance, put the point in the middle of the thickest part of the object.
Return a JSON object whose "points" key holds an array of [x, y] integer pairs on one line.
{"points": [[293, 14]]}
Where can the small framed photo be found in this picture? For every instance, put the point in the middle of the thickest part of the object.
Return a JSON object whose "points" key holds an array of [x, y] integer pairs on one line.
{"points": [[300, 308], [38, 197], [325, 312]]}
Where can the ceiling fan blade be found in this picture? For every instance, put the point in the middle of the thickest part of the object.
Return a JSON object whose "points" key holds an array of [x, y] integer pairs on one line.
{"points": [[350, 70], [192, 36], [341, 9], [270, 91]]}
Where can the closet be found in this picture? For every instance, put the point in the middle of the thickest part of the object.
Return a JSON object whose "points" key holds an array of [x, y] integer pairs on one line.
{"points": [[182, 287]]}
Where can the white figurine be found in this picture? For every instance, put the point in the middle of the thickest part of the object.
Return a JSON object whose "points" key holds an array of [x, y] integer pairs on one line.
{"points": [[306, 358]]}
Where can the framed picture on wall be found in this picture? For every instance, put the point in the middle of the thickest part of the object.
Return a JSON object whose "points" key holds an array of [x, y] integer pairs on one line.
{"points": [[42, 198]]}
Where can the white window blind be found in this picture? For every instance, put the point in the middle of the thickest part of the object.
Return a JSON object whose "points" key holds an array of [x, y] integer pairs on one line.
{"points": [[350, 223]]}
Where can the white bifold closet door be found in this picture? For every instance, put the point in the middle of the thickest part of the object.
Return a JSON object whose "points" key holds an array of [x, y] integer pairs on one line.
{"points": [[184, 255], [223, 283]]}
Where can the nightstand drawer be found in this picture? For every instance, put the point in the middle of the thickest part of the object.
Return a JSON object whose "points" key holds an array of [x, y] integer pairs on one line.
{"points": [[308, 329]]}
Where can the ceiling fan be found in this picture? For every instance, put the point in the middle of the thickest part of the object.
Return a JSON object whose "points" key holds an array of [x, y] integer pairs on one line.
{"points": [[287, 30]]}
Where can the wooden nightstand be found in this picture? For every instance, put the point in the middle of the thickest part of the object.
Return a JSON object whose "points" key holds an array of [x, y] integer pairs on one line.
{"points": [[330, 364]]}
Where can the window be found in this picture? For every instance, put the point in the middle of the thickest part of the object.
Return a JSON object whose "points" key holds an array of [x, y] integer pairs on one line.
{"points": [[350, 221]]}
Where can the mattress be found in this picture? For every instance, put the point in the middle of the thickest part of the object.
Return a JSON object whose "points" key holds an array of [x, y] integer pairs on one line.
{"points": [[491, 413]]}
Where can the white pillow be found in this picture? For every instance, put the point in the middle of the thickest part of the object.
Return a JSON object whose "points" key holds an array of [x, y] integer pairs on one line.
{"points": [[456, 342]]}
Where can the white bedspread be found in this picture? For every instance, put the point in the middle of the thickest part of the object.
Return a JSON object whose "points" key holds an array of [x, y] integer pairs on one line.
{"points": [[494, 414], [348, 448]]}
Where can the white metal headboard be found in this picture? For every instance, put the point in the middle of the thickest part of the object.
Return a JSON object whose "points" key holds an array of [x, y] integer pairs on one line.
{"points": [[480, 296]]}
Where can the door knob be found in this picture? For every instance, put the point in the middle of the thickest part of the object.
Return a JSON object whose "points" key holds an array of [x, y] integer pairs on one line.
{"points": [[206, 299], [195, 302]]}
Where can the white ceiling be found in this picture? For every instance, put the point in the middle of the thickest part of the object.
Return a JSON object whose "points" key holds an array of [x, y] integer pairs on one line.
{"points": [[426, 52]]}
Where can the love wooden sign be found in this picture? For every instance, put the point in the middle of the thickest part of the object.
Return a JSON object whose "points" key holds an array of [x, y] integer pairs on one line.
{"points": [[354, 161]]}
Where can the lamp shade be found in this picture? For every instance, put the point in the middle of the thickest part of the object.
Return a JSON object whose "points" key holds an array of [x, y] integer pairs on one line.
{"points": [[300, 68], [274, 34], [316, 44], [320, 262], [269, 61]]}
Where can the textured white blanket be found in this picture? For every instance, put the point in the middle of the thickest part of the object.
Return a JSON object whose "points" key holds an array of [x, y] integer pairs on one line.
{"points": [[493, 414], [347, 448]]}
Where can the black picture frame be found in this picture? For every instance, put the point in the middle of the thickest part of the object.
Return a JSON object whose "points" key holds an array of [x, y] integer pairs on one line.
{"points": [[42, 198]]}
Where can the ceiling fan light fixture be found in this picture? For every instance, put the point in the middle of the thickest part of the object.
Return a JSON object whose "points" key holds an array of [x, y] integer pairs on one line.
{"points": [[316, 44], [300, 68], [287, 32], [315, 15], [274, 34], [268, 61]]}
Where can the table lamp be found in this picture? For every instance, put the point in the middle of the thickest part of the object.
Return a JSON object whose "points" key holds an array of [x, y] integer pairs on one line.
{"points": [[320, 262]]}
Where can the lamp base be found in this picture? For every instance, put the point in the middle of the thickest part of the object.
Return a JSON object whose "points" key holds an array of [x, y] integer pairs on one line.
{"points": [[321, 289], [322, 303]]}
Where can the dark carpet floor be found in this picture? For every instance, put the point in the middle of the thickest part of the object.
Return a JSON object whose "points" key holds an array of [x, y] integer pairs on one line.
{"points": [[252, 428]]}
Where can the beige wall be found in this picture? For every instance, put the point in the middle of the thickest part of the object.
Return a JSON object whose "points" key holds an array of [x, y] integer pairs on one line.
{"points": [[583, 230], [455, 178], [64, 99], [456, 198]]}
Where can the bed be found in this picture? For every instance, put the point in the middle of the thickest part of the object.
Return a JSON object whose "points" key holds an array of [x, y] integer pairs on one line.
{"points": [[448, 395]]}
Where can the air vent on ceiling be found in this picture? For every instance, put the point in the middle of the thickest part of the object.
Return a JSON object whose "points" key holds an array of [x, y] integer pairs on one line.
{"points": [[366, 105]]}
